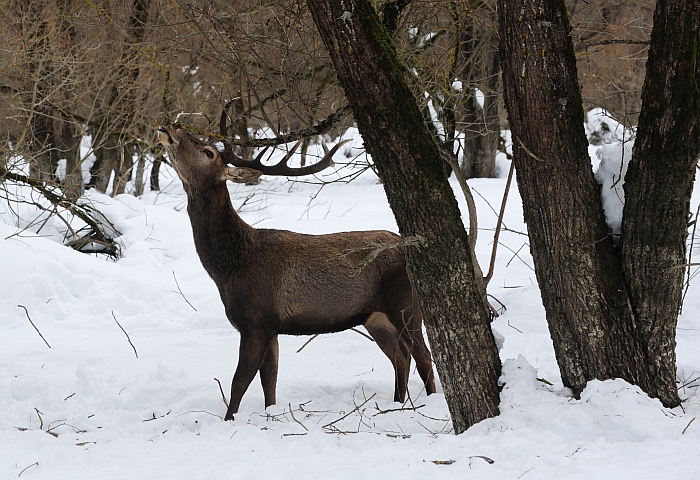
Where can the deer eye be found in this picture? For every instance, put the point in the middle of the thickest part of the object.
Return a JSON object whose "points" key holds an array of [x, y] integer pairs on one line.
{"points": [[209, 153]]}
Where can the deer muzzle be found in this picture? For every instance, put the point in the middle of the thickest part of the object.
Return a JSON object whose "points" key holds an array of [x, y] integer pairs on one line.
{"points": [[164, 137]]}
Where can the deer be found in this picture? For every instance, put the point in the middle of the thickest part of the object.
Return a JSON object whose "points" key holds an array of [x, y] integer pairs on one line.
{"points": [[278, 282]]}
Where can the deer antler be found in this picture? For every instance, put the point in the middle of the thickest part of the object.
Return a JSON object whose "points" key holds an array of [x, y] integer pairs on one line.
{"points": [[279, 168]]}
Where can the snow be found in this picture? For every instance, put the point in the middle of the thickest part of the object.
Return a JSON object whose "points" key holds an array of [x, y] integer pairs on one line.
{"points": [[613, 156], [88, 407]]}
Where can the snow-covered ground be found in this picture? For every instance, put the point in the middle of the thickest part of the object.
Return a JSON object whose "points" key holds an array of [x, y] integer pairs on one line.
{"points": [[143, 402]]}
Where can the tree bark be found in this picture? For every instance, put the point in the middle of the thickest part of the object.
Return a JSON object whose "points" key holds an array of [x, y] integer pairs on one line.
{"points": [[409, 163], [658, 186]]}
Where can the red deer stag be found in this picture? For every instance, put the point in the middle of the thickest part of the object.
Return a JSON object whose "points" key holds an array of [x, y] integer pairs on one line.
{"points": [[280, 282]]}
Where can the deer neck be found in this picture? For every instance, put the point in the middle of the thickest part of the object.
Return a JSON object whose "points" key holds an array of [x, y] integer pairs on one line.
{"points": [[220, 235]]}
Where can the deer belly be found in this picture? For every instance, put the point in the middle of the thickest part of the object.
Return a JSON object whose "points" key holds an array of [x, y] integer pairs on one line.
{"points": [[311, 324]]}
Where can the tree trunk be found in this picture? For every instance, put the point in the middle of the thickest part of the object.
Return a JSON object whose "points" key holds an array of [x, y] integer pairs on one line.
{"points": [[155, 173], [658, 186], [107, 151], [575, 263], [610, 314], [42, 163], [69, 140], [477, 66], [410, 166]]}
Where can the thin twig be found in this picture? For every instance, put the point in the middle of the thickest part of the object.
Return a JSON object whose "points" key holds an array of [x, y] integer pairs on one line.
{"points": [[360, 332], [30, 321], [616, 42], [363, 334], [356, 409], [156, 418], [390, 410], [514, 328], [307, 342], [223, 395], [180, 291], [295, 418], [690, 256], [41, 420], [35, 464], [529, 152], [492, 264], [503, 306], [687, 426], [471, 206], [127, 335]]}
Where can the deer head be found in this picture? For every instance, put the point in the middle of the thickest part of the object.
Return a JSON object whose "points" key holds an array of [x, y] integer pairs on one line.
{"points": [[199, 162]]}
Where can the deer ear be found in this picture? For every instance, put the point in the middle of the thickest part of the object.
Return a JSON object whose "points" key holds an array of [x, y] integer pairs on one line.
{"points": [[240, 174]]}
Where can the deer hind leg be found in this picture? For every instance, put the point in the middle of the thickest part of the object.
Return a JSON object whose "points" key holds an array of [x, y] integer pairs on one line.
{"points": [[252, 350], [394, 347], [268, 372], [410, 322]]}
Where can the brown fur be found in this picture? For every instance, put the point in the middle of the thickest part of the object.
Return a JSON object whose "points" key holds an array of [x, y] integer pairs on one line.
{"points": [[280, 282]]}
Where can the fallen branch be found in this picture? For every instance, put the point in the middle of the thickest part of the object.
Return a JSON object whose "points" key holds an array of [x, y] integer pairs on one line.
{"points": [[295, 418], [356, 409], [56, 199]]}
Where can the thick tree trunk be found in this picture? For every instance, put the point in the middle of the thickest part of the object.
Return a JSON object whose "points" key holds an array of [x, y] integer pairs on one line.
{"points": [[610, 315], [576, 265], [658, 186], [409, 163]]}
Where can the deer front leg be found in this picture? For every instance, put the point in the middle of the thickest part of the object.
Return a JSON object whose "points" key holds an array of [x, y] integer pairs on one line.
{"points": [[268, 372], [250, 358]]}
